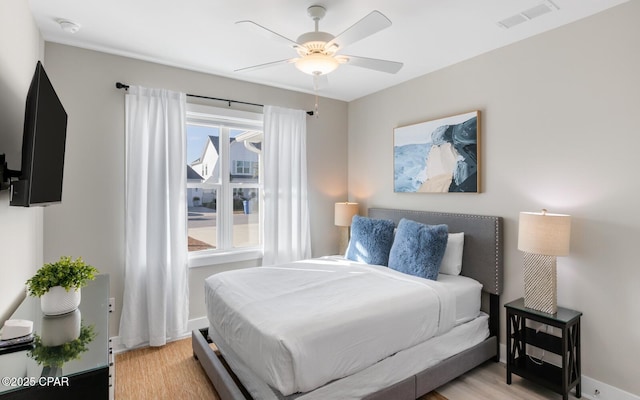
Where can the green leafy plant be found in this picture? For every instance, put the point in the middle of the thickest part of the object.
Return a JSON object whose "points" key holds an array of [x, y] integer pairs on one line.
{"points": [[65, 272], [56, 356]]}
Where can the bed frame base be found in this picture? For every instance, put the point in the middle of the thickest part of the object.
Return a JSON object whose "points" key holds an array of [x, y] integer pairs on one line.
{"points": [[224, 380], [229, 387], [439, 374]]}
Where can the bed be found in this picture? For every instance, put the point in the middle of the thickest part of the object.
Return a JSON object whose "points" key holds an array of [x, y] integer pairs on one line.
{"points": [[406, 373]]}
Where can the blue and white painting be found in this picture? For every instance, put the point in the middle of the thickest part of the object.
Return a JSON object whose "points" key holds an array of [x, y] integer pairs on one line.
{"points": [[439, 156]]}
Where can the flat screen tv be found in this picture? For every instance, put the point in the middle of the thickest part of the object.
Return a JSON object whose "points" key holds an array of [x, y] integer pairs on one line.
{"points": [[43, 145]]}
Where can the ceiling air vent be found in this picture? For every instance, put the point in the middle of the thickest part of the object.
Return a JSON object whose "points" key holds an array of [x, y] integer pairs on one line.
{"points": [[527, 15], [512, 21]]}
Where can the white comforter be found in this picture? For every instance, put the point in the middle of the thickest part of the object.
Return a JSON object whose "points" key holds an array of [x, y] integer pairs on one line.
{"points": [[301, 325]]}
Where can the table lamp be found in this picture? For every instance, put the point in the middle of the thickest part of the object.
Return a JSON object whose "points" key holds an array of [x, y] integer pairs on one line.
{"points": [[542, 237]]}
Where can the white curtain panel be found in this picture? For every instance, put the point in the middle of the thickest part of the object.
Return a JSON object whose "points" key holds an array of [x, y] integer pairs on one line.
{"points": [[155, 303], [286, 214]]}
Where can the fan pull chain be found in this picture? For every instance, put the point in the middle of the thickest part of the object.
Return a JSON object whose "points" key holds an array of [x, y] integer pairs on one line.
{"points": [[316, 86]]}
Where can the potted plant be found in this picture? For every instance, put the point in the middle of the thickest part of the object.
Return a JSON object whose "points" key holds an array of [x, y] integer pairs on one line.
{"points": [[58, 284]]}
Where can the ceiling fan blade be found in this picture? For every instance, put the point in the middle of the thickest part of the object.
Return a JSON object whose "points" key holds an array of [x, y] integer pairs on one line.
{"points": [[375, 21], [390, 67], [266, 65], [268, 33]]}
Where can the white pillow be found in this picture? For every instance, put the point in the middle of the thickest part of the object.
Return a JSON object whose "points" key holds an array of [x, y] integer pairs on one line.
{"points": [[452, 259]]}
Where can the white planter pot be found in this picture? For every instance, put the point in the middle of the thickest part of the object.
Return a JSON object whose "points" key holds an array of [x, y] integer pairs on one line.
{"points": [[59, 329], [58, 301]]}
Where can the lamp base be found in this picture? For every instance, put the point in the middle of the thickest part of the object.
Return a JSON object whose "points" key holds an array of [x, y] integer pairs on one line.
{"points": [[540, 283], [344, 240]]}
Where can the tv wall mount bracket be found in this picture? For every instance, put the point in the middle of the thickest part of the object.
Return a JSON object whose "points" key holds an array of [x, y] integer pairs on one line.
{"points": [[6, 174]]}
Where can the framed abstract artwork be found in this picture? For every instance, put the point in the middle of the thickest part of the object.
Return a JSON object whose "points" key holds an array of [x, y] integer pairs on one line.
{"points": [[438, 156]]}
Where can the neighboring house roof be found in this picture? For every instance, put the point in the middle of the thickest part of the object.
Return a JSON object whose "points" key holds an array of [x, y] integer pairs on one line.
{"points": [[216, 142], [193, 175]]}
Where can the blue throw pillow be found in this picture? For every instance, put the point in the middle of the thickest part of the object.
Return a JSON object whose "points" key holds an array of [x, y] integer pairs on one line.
{"points": [[418, 248], [371, 240]]}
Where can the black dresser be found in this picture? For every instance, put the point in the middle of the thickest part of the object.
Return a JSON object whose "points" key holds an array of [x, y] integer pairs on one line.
{"points": [[83, 378]]}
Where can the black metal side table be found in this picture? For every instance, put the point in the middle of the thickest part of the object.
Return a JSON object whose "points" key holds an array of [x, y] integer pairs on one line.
{"points": [[560, 379]]}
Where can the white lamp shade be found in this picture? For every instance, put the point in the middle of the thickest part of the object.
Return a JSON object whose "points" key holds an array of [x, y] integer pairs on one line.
{"points": [[344, 213], [544, 233], [316, 64]]}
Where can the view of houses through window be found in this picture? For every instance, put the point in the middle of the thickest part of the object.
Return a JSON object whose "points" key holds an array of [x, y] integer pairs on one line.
{"points": [[223, 184]]}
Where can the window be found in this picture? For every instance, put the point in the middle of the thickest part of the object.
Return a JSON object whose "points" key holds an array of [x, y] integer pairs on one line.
{"points": [[224, 183], [243, 167]]}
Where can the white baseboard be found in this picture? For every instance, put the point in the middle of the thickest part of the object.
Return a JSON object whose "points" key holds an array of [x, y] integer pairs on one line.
{"points": [[192, 324], [198, 323], [605, 392], [590, 386]]}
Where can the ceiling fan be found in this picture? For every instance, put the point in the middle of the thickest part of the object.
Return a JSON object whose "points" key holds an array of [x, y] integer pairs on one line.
{"points": [[317, 50]]}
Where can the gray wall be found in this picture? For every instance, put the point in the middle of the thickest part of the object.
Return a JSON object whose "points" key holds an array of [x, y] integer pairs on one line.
{"points": [[20, 228], [559, 131], [90, 220]]}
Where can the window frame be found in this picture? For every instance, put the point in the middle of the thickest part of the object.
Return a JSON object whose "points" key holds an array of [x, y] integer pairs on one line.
{"points": [[240, 166], [198, 114]]}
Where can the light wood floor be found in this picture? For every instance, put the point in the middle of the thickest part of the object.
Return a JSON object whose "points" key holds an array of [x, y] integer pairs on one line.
{"points": [[488, 382], [171, 372]]}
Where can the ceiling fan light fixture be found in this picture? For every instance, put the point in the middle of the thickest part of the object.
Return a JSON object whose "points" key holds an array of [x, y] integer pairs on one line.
{"points": [[317, 64]]}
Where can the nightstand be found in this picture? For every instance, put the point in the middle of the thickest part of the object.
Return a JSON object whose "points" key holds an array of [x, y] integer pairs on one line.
{"points": [[560, 379]]}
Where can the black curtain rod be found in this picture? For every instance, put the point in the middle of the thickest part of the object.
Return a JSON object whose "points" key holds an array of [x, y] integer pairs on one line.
{"points": [[124, 86]]}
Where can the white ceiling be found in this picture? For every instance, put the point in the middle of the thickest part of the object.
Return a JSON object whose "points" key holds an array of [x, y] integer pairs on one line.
{"points": [[201, 35]]}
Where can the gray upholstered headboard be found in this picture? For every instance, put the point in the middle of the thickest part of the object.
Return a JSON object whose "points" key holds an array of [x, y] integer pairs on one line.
{"points": [[482, 257]]}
